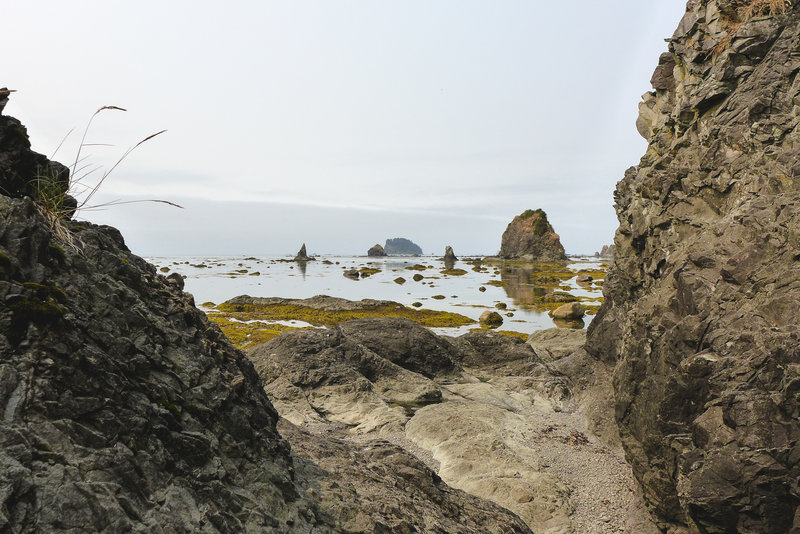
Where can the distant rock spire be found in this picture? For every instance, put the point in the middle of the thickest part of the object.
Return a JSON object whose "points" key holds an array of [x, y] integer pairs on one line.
{"points": [[302, 255]]}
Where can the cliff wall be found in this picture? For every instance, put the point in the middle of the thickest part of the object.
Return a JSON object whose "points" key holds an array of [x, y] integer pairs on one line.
{"points": [[701, 313]]}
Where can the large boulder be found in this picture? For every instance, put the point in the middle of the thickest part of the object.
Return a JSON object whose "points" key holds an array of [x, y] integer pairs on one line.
{"points": [[401, 246], [700, 315], [529, 236], [376, 251]]}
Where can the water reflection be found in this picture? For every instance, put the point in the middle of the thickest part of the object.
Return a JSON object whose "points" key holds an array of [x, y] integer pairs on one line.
{"points": [[301, 266], [533, 284]]}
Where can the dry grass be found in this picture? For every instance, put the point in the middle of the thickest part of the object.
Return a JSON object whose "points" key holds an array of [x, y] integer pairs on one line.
{"points": [[53, 199], [758, 8], [745, 12]]}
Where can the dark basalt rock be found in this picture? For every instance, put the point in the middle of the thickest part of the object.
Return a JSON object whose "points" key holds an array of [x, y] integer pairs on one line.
{"points": [[531, 237], [302, 255], [401, 246], [700, 314]]}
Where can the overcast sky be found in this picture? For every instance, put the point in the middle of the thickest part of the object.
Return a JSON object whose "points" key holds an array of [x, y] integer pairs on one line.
{"points": [[341, 123]]}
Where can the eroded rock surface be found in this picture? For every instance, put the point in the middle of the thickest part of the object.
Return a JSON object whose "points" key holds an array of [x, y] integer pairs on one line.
{"points": [[701, 310], [481, 410], [530, 236]]}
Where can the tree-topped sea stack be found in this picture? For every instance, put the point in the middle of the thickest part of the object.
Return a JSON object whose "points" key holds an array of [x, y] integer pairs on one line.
{"points": [[401, 246], [530, 237], [701, 314]]}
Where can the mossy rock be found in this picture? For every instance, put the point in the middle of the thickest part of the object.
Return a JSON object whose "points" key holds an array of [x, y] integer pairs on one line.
{"points": [[245, 335], [416, 267], [400, 280], [327, 317], [417, 277], [438, 297], [453, 272]]}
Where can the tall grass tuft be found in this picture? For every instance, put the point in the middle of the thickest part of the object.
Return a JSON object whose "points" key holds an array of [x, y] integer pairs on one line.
{"points": [[58, 204]]}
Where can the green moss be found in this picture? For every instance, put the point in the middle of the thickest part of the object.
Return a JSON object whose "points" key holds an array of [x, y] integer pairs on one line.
{"points": [[540, 227], [510, 333], [316, 317], [57, 252], [527, 214], [496, 283], [245, 335], [367, 271], [453, 272], [416, 267], [438, 297], [400, 280], [46, 292]]}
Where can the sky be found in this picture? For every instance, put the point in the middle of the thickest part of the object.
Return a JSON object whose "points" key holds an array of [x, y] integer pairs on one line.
{"points": [[338, 123]]}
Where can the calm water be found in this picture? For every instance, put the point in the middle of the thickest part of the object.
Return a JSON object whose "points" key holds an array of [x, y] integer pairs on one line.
{"points": [[223, 278]]}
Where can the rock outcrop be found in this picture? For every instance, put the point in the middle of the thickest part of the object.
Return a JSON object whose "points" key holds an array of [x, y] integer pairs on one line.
{"points": [[449, 255], [481, 410], [401, 246], [302, 255], [376, 251], [700, 311], [530, 237], [123, 408], [606, 252]]}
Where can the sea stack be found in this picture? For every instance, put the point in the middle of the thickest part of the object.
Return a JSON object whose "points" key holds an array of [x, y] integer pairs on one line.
{"points": [[302, 255], [701, 311], [530, 237], [449, 255], [376, 251], [401, 246]]}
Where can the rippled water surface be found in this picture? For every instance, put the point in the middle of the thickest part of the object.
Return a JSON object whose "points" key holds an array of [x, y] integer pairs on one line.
{"points": [[217, 279]]}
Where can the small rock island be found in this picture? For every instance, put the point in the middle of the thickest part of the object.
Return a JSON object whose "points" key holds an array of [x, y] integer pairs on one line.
{"points": [[401, 246], [531, 237], [376, 251]]}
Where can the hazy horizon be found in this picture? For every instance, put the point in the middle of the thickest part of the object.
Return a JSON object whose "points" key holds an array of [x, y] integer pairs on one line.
{"points": [[342, 124]]}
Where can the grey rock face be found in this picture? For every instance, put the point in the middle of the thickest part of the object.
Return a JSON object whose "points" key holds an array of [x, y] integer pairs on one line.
{"points": [[401, 245], [123, 408], [700, 311]]}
